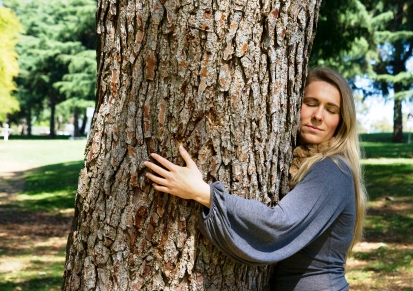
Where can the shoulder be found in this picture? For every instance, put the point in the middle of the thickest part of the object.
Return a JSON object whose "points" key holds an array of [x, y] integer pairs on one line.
{"points": [[331, 170], [333, 164]]}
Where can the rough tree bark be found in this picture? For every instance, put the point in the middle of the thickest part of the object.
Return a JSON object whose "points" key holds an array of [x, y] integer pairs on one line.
{"points": [[223, 78]]}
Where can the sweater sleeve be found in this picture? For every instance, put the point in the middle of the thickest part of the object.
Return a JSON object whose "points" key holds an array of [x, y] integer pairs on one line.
{"points": [[251, 233]]}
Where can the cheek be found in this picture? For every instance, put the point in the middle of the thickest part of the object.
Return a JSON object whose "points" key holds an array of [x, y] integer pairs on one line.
{"points": [[334, 124], [303, 114]]}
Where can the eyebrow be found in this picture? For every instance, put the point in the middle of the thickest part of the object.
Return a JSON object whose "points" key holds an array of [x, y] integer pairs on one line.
{"points": [[316, 99]]}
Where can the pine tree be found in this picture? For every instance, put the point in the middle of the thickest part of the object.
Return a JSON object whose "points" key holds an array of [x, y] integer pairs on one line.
{"points": [[393, 39], [59, 40]]}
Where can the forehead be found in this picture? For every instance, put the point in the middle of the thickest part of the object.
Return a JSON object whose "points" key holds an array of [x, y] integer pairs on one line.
{"points": [[323, 92]]}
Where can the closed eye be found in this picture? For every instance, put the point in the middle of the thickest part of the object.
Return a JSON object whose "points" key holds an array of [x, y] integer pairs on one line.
{"points": [[311, 104], [333, 110]]}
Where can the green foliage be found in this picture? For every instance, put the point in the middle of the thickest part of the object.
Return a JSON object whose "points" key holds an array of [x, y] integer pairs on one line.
{"points": [[73, 105], [9, 31], [340, 28], [57, 57], [80, 81]]}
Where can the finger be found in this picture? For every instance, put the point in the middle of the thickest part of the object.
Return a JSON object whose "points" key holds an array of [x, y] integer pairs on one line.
{"points": [[187, 158], [164, 162], [160, 188], [156, 169], [156, 179]]}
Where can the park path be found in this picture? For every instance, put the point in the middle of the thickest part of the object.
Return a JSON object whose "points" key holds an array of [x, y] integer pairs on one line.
{"points": [[23, 231]]}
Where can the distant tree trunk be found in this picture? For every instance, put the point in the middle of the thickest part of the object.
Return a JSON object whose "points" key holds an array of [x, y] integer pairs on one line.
{"points": [[397, 121], [52, 132], [224, 79], [76, 131], [83, 126], [29, 122]]}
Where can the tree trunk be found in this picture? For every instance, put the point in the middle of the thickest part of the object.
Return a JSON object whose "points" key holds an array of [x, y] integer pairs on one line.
{"points": [[52, 132], [83, 126], [76, 130], [397, 121], [29, 122], [225, 80]]}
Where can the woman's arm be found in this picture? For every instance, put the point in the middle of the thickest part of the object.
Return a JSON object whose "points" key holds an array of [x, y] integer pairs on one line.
{"points": [[251, 233], [185, 182]]}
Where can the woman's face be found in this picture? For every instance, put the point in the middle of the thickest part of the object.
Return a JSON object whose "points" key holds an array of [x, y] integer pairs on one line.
{"points": [[320, 113]]}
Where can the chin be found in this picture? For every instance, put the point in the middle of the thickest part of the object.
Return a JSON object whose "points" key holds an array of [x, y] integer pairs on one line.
{"points": [[309, 140]]}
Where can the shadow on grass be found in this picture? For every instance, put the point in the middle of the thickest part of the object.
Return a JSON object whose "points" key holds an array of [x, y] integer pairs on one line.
{"points": [[387, 267], [386, 137], [386, 259], [37, 284], [49, 188], [388, 150], [384, 180], [35, 220], [389, 226], [390, 190]]}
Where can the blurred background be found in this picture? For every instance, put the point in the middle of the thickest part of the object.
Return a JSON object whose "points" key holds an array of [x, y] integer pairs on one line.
{"points": [[48, 66]]}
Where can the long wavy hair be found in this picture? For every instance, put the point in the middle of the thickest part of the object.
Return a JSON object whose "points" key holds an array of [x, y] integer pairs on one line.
{"points": [[345, 145]]}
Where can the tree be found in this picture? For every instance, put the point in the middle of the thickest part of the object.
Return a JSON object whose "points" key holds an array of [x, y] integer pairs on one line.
{"points": [[224, 79], [340, 41], [76, 106], [60, 37], [9, 31], [394, 48]]}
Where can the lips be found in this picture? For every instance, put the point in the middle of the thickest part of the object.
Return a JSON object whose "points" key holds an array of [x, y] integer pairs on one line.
{"points": [[313, 128]]}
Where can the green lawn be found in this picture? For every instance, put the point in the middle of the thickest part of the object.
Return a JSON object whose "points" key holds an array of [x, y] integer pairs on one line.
{"points": [[28, 154], [384, 261], [34, 223]]}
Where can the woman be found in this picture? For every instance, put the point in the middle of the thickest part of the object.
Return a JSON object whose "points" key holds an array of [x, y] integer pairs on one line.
{"points": [[310, 231]]}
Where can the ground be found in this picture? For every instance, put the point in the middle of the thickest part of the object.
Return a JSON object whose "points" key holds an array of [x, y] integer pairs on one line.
{"points": [[32, 243]]}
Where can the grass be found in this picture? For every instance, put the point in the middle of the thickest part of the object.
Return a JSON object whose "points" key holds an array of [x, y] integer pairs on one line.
{"points": [[34, 224], [29, 272], [50, 188], [29, 154], [383, 261]]}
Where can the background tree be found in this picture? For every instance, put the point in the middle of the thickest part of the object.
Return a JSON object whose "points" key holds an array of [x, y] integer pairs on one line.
{"points": [[60, 37], [9, 31], [340, 42], [224, 79], [394, 48]]}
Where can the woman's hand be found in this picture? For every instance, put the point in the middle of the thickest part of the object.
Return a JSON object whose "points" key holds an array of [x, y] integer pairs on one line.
{"points": [[185, 182]]}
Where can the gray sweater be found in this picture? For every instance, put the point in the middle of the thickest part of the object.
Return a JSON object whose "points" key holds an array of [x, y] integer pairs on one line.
{"points": [[307, 234]]}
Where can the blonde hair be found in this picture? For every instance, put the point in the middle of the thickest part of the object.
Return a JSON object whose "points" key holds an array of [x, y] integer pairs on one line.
{"points": [[345, 144]]}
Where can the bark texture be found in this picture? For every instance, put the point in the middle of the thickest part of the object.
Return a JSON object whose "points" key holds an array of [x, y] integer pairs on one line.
{"points": [[222, 78]]}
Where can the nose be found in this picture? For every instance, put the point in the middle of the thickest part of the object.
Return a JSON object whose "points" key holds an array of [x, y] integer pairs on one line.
{"points": [[318, 114]]}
